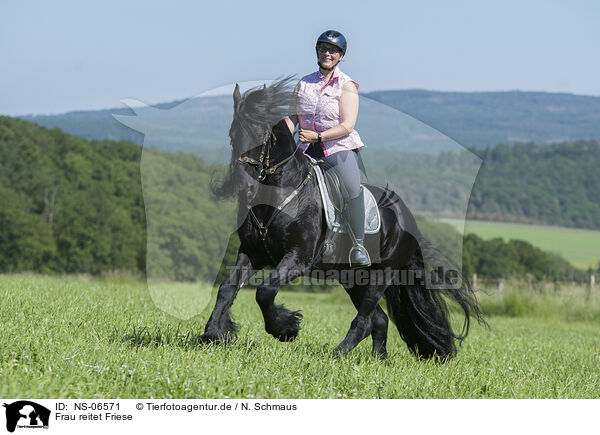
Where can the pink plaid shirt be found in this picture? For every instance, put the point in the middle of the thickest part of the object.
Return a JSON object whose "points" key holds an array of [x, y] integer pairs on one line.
{"points": [[318, 109]]}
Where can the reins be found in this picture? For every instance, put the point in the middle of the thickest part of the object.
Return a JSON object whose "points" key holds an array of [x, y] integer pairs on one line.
{"points": [[265, 169], [263, 164], [264, 228]]}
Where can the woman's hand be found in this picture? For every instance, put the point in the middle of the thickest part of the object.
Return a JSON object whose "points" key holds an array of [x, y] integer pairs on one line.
{"points": [[308, 136]]}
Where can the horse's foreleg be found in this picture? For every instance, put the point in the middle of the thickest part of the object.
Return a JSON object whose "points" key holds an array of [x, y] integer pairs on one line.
{"points": [[362, 325], [280, 322], [220, 326]]}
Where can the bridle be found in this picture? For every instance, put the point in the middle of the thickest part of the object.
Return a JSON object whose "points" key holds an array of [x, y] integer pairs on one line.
{"points": [[263, 162], [264, 169]]}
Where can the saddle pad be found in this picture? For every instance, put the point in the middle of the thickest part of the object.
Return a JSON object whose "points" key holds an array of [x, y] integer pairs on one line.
{"points": [[372, 217]]}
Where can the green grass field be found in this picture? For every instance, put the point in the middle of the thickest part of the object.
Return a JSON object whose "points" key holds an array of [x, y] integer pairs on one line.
{"points": [[76, 337], [580, 247]]}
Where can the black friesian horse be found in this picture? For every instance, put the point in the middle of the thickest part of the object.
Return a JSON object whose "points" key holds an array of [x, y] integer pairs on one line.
{"points": [[281, 225]]}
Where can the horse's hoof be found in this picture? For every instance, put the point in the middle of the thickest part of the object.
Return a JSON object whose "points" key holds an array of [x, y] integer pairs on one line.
{"points": [[287, 336], [208, 339], [381, 355], [212, 338], [340, 352], [286, 325]]}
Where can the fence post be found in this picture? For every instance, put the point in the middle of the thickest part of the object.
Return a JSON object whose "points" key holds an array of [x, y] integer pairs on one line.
{"points": [[588, 288], [501, 285], [474, 282]]}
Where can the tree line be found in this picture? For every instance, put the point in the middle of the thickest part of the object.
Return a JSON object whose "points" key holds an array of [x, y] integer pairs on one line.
{"points": [[72, 205], [557, 184]]}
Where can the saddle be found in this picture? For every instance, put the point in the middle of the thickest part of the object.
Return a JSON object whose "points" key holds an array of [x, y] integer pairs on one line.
{"points": [[336, 247]]}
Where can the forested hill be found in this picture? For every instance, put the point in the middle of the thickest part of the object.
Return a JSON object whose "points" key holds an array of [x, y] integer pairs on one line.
{"points": [[473, 119], [71, 205], [68, 204], [556, 184]]}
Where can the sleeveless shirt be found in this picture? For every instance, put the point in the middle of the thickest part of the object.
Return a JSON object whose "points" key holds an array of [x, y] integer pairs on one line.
{"points": [[318, 109]]}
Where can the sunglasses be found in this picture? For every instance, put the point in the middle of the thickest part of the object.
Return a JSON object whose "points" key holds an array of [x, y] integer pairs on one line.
{"points": [[321, 48]]}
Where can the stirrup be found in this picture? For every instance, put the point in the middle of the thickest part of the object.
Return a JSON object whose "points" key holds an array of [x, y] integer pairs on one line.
{"points": [[361, 260]]}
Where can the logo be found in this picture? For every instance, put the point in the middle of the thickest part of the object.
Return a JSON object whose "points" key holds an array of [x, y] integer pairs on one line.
{"points": [[26, 414]]}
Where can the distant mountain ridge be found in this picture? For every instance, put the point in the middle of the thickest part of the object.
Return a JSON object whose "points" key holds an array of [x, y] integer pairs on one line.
{"points": [[480, 119], [473, 119]]}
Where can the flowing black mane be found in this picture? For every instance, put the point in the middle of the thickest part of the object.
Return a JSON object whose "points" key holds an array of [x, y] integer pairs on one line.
{"points": [[263, 107], [254, 115]]}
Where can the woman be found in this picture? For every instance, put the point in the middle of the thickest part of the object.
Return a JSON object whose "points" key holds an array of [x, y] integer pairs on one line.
{"points": [[326, 109]]}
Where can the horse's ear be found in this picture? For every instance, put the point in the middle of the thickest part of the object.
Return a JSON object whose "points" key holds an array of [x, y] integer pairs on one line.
{"points": [[237, 97]]}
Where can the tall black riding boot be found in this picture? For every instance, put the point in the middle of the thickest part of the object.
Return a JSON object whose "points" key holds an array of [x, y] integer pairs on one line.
{"points": [[359, 257]]}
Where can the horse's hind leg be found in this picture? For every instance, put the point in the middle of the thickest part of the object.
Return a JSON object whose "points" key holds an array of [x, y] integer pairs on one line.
{"points": [[379, 333], [220, 327], [362, 325], [280, 322], [379, 321]]}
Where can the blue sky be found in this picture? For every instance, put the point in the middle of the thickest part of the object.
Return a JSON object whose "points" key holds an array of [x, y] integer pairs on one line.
{"points": [[62, 55]]}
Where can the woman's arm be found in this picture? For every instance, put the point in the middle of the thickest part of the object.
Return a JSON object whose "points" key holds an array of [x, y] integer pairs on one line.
{"points": [[348, 115], [292, 120]]}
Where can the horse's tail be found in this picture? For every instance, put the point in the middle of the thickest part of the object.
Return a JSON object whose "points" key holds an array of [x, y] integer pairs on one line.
{"points": [[419, 310]]}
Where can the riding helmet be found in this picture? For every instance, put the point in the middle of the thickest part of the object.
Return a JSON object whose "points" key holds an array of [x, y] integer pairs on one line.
{"points": [[333, 37]]}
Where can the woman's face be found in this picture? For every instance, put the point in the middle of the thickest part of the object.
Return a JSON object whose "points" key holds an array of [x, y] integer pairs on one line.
{"points": [[328, 54]]}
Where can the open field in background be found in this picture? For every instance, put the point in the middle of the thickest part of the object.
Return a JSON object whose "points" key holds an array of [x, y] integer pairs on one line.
{"points": [[76, 337], [580, 247]]}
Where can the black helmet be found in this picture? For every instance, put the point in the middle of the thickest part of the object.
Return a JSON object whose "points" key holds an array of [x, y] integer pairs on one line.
{"points": [[333, 37]]}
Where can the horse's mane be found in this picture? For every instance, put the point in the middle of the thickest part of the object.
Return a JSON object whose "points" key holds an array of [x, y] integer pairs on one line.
{"points": [[266, 105], [257, 111]]}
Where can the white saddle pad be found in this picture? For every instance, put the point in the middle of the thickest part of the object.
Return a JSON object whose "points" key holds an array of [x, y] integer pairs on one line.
{"points": [[334, 221]]}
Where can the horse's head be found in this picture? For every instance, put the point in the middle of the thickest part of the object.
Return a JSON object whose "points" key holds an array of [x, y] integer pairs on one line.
{"points": [[250, 135], [255, 113]]}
